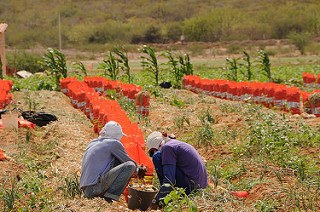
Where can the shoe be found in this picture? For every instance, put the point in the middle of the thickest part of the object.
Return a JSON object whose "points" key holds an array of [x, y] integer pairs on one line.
{"points": [[109, 200]]}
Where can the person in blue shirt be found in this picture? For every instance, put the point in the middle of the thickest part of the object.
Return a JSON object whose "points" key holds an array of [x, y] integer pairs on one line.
{"points": [[106, 166], [177, 164]]}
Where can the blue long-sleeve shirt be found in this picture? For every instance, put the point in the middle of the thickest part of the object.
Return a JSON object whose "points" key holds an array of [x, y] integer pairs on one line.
{"points": [[98, 158]]}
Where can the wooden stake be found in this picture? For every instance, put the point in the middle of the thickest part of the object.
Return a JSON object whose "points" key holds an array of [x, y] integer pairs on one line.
{"points": [[3, 27]]}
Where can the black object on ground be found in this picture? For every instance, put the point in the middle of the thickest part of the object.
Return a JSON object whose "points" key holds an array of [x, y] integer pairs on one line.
{"points": [[39, 118]]}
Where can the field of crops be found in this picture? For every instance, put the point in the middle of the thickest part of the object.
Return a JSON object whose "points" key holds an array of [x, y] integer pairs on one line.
{"points": [[267, 152]]}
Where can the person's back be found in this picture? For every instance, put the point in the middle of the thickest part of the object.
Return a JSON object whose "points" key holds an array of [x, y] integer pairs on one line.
{"points": [[97, 159], [185, 157]]}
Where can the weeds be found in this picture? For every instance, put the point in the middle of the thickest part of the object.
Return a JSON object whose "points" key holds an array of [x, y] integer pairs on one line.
{"points": [[9, 195], [180, 121], [71, 187], [178, 200]]}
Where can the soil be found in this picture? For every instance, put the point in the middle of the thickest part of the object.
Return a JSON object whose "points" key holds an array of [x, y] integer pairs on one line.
{"points": [[73, 131]]}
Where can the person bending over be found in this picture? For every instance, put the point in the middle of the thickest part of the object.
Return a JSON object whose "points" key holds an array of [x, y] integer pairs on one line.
{"points": [[177, 164], [106, 166]]}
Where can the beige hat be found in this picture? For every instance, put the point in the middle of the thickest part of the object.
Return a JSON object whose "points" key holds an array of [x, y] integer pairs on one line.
{"points": [[113, 130], [154, 140]]}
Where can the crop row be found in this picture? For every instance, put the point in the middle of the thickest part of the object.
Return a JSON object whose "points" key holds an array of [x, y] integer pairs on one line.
{"points": [[270, 94], [100, 110]]}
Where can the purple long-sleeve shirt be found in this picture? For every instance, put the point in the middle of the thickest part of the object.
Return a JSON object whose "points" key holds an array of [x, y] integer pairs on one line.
{"points": [[98, 158]]}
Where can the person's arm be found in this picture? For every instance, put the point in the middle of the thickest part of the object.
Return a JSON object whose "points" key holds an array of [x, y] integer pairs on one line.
{"points": [[120, 153]]}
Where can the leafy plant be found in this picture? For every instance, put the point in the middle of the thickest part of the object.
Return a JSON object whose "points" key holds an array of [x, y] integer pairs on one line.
{"points": [[56, 62], [205, 134], [23, 60], [71, 186], [9, 196], [233, 69], [177, 71], [178, 200], [80, 66], [180, 121], [186, 65], [265, 64], [110, 67], [248, 72], [177, 102], [123, 62], [150, 63]]}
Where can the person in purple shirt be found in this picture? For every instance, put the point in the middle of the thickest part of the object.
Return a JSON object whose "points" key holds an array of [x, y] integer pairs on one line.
{"points": [[106, 166], [177, 164]]}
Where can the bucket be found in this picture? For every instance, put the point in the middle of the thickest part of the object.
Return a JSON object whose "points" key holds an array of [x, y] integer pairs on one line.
{"points": [[139, 199], [10, 121]]}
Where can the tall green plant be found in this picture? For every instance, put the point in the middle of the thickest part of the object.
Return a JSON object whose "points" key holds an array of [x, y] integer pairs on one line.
{"points": [[123, 62], [248, 72], [56, 62], [265, 64], [186, 65], [110, 67], [177, 71], [233, 69], [150, 62], [80, 66]]}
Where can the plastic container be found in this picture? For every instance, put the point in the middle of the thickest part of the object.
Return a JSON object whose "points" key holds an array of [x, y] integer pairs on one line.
{"points": [[139, 199], [10, 121]]}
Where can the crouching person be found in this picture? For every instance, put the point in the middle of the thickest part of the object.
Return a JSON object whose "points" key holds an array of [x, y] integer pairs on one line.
{"points": [[106, 166], [177, 164]]}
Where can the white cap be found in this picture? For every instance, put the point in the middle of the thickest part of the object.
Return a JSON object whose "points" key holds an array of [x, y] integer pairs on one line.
{"points": [[154, 140], [113, 130]]}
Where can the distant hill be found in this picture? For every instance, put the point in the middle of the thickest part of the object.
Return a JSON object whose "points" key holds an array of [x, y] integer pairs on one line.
{"points": [[86, 24]]}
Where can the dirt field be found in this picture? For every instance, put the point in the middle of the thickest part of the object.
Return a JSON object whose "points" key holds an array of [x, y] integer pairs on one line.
{"points": [[62, 143]]}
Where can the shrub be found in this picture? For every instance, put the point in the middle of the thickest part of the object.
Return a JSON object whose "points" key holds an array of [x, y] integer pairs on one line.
{"points": [[22, 60]]}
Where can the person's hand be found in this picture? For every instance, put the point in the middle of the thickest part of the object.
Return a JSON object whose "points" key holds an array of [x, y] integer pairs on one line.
{"points": [[142, 170]]}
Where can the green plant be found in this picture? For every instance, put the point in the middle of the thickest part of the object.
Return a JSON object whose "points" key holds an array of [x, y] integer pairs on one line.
{"points": [[177, 71], [24, 60], [31, 102], [150, 63], [206, 117], [265, 64], [123, 62], [56, 62], [9, 196], [178, 200], [71, 187], [180, 121], [110, 67], [205, 134], [80, 66], [233, 69], [186, 65], [177, 102], [247, 66]]}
